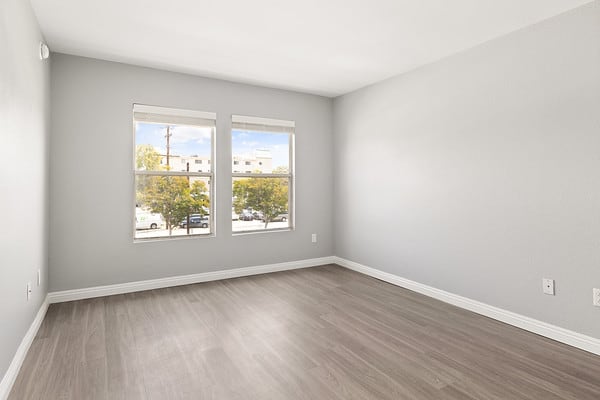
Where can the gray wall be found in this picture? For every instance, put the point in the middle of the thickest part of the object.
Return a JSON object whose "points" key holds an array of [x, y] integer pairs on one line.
{"points": [[480, 174], [24, 112], [91, 182]]}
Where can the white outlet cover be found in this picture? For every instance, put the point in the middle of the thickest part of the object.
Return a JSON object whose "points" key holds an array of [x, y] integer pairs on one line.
{"points": [[314, 238], [548, 286], [28, 290], [596, 300]]}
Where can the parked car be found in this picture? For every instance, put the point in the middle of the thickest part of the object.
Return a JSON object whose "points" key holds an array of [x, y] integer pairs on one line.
{"points": [[147, 220], [258, 215], [281, 217], [278, 218], [246, 216], [196, 221], [234, 216]]}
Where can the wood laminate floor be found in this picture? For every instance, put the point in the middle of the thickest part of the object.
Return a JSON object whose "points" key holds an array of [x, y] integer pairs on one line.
{"points": [[316, 333]]}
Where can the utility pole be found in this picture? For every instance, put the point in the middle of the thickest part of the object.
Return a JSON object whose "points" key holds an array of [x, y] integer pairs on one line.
{"points": [[168, 136], [187, 168]]}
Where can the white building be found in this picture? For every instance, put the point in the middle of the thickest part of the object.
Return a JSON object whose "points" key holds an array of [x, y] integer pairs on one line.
{"points": [[261, 161]]}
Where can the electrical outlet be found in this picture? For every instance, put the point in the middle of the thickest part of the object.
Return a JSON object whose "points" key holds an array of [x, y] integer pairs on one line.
{"points": [[28, 290], [39, 277], [548, 286], [314, 238], [597, 297]]}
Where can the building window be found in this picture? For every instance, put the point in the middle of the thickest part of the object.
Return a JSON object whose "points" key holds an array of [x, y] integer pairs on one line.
{"points": [[236, 163], [170, 202], [198, 161], [263, 198]]}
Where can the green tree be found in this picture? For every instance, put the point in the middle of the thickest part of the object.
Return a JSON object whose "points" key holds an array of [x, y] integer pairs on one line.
{"points": [[267, 195], [174, 198], [166, 195], [147, 158], [240, 194], [197, 199], [171, 196]]}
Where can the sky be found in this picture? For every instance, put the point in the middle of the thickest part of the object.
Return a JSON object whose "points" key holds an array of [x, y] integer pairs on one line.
{"points": [[243, 143], [190, 140], [185, 140]]}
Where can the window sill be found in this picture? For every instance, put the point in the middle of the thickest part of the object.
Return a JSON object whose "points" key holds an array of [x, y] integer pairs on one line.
{"points": [[256, 232], [169, 238]]}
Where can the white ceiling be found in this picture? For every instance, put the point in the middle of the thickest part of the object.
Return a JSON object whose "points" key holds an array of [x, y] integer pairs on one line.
{"points": [[326, 47]]}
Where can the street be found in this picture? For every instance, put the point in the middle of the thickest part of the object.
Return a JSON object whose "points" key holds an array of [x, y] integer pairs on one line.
{"points": [[237, 226]]}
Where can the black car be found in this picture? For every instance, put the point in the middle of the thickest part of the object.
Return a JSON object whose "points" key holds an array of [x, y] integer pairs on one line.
{"points": [[196, 221]]}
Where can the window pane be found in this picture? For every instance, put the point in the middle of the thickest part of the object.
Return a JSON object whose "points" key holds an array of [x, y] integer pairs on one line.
{"points": [[260, 203], [163, 147], [260, 152], [165, 204]]}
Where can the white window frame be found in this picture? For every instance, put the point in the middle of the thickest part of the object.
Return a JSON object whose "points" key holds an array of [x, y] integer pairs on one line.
{"points": [[185, 118], [271, 123]]}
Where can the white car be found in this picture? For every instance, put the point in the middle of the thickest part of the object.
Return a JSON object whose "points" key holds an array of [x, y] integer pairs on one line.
{"points": [[147, 220]]}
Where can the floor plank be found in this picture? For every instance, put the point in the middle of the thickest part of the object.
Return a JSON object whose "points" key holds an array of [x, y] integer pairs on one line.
{"points": [[316, 333]]}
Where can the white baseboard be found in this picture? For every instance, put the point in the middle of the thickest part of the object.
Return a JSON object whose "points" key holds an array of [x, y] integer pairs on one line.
{"points": [[13, 369], [99, 291], [557, 333]]}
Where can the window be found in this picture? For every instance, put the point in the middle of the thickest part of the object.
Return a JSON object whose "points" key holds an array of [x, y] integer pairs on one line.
{"points": [[236, 163], [170, 202], [263, 198], [198, 161]]}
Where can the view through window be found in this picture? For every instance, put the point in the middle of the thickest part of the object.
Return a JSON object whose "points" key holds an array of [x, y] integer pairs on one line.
{"points": [[173, 172], [262, 174]]}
